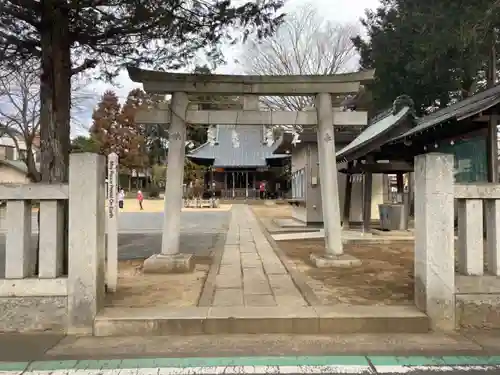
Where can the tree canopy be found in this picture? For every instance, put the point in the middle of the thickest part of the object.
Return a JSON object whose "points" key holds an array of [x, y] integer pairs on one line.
{"points": [[118, 32], [67, 37], [138, 146], [435, 52], [84, 144], [114, 130]]}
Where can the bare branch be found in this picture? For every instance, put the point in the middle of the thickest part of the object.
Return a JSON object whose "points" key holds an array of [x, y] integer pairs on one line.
{"points": [[20, 110], [87, 64], [304, 44]]}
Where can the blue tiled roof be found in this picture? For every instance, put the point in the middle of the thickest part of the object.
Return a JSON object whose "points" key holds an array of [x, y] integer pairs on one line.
{"points": [[252, 152]]}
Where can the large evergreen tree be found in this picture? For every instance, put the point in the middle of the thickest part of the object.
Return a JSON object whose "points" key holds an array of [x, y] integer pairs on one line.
{"points": [[436, 52], [67, 37]]}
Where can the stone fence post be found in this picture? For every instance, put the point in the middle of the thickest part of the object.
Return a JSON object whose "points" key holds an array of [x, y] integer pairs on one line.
{"points": [[86, 242], [434, 239], [112, 223]]}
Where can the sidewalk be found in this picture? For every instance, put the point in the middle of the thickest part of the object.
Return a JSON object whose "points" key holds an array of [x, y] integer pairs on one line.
{"points": [[48, 347], [255, 354]]}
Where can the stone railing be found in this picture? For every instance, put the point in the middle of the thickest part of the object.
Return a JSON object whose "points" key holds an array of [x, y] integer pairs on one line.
{"points": [[457, 273], [44, 299], [478, 214], [477, 245]]}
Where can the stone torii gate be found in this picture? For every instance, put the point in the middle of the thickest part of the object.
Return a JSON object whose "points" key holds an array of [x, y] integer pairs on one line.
{"points": [[178, 114]]}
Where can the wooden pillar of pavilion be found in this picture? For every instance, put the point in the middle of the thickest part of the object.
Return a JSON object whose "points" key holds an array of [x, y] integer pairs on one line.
{"points": [[234, 184], [225, 184], [367, 197], [211, 187], [347, 196], [399, 184], [492, 148], [246, 184], [411, 200], [492, 138]]}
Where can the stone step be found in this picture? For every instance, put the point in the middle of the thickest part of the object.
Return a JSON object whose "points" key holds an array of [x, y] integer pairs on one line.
{"points": [[155, 321]]}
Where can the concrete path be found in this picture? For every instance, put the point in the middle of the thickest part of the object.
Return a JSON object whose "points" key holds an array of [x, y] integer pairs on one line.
{"points": [[250, 273]]}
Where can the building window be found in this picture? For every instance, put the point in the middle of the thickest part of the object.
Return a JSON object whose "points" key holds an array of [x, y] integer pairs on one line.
{"points": [[298, 184]]}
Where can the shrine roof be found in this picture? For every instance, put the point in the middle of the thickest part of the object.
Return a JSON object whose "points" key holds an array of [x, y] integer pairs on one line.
{"points": [[382, 128], [252, 151], [459, 111]]}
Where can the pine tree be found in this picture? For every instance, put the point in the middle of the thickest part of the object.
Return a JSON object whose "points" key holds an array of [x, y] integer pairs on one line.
{"points": [[435, 52]]}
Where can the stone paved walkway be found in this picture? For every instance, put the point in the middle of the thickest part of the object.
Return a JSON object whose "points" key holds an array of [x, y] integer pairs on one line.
{"points": [[250, 273]]}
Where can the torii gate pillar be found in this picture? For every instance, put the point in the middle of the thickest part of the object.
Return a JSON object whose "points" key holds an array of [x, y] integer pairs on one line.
{"points": [[334, 255], [170, 259]]}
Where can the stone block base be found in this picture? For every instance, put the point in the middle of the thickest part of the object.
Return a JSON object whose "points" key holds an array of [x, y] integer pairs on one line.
{"points": [[226, 320], [160, 263], [342, 261]]}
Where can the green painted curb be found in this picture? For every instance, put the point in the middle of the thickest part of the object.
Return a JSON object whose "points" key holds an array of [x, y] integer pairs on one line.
{"points": [[134, 363], [198, 362], [433, 361]]}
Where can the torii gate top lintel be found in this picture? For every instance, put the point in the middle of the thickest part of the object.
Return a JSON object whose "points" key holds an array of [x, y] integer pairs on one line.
{"points": [[158, 82]]}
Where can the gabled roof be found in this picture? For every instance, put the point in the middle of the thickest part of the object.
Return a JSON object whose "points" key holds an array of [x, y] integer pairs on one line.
{"points": [[458, 111], [252, 152], [383, 127]]}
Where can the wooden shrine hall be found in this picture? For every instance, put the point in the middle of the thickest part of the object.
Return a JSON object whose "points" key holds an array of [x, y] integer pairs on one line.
{"points": [[238, 171], [467, 129]]}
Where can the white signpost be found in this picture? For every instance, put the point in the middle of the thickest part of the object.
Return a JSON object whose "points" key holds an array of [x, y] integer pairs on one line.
{"points": [[112, 217]]}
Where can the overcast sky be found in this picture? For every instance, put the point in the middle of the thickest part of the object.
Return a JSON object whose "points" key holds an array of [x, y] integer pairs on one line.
{"points": [[336, 10]]}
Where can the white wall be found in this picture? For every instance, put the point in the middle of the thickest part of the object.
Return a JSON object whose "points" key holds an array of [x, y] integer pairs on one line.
{"points": [[306, 156], [10, 175]]}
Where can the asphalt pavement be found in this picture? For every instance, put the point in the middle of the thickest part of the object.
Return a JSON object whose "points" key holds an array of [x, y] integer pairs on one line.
{"points": [[140, 234]]}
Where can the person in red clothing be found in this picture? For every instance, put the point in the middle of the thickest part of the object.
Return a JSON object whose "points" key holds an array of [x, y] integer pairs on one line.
{"points": [[262, 190], [140, 198]]}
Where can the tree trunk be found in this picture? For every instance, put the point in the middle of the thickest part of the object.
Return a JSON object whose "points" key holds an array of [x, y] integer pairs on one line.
{"points": [[33, 173], [55, 100], [55, 92]]}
